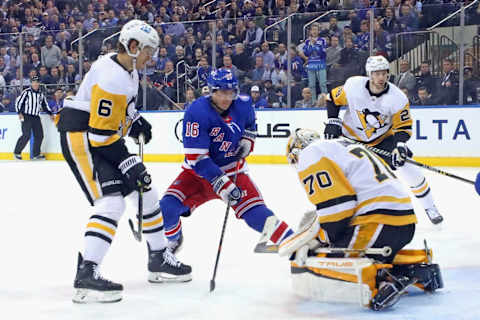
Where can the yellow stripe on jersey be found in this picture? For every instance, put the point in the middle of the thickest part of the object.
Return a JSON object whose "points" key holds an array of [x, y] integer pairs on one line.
{"points": [[339, 96], [382, 199], [82, 157], [363, 236], [402, 121], [107, 110], [325, 180]]}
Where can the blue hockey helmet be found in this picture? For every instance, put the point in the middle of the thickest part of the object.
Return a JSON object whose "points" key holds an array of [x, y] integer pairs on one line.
{"points": [[222, 79]]}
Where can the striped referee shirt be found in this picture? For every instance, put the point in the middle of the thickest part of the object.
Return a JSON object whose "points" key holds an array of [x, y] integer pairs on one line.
{"points": [[32, 102]]}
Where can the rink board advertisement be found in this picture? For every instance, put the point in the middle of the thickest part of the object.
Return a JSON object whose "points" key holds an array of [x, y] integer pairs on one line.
{"points": [[441, 135]]}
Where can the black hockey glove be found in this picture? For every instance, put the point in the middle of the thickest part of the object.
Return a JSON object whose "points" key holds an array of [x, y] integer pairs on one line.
{"points": [[135, 173], [333, 128], [399, 154], [227, 190], [141, 126]]}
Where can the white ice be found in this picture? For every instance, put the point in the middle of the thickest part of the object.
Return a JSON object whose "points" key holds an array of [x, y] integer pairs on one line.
{"points": [[44, 214]]}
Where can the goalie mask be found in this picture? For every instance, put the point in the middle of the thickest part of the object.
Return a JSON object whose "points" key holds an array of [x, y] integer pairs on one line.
{"points": [[299, 141]]}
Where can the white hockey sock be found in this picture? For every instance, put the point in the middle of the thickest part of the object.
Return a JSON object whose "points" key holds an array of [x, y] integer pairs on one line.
{"points": [[102, 226], [153, 230], [152, 219], [418, 184]]}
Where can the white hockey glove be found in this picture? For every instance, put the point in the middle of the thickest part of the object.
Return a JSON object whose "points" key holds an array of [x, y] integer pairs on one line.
{"points": [[399, 154], [227, 190], [246, 144], [333, 128]]}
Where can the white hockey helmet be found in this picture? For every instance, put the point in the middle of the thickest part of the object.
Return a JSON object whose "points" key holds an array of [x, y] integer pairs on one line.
{"points": [[140, 31], [298, 141], [376, 63]]}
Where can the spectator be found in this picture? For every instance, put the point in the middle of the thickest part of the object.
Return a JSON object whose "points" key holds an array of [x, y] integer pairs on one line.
{"points": [[278, 76], [175, 29], [189, 97], [307, 101], [447, 91], [424, 97], [257, 100], [382, 41], [56, 103], [162, 59], [6, 105], [253, 35], [389, 22], [280, 100], [333, 28], [333, 52], [50, 53], [470, 85], [296, 64], [227, 64], [171, 49], [425, 78], [241, 59], [267, 56], [268, 91], [314, 49], [363, 37], [203, 71], [405, 78], [190, 49], [259, 73]]}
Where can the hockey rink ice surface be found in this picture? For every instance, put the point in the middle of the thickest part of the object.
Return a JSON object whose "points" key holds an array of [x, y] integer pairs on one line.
{"points": [[44, 214]]}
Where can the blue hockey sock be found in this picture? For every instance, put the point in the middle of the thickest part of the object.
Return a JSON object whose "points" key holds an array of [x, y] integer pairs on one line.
{"points": [[172, 209]]}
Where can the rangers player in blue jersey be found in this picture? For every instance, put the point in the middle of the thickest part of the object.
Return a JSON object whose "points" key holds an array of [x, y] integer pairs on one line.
{"points": [[219, 131]]}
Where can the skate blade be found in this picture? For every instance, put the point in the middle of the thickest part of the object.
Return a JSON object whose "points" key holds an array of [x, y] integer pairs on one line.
{"points": [[94, 296], [161, 277]]}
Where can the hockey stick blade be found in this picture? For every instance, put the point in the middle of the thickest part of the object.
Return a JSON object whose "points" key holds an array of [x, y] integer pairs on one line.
{"points": [[477, 183], [262, 247], [212, 285], [136, 234]]}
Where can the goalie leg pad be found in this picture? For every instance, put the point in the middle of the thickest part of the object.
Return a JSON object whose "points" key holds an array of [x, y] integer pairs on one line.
{"points": [[308, 230], [347, 280]]}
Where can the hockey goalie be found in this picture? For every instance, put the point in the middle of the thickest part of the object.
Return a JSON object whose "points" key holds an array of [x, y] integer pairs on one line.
{"points": [[350, 249]]}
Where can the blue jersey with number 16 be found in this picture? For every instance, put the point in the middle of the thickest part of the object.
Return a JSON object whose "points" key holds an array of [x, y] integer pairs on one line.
{"points": [[210, 139]]}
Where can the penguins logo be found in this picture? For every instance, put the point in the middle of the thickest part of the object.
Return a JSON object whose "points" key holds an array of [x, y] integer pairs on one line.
{"points": [[371, 121]]}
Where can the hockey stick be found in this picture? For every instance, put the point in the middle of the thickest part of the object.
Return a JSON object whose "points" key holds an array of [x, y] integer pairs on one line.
{"points": [[138, 233], [416, 163], [212, 281], [385, 251]]}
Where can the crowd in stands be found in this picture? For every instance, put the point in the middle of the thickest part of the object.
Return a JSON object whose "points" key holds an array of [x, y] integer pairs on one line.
{"points": [[333, 49]]}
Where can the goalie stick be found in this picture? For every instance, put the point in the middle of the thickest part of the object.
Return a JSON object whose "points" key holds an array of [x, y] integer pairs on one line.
{"points": [[385, 251]]}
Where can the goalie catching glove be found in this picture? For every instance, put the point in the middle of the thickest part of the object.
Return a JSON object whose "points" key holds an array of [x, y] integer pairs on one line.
{"points": [[227, 190], [135, 172]]}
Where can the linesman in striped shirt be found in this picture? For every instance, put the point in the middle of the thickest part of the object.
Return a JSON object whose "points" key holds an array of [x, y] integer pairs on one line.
{"points": [[28, 105]]}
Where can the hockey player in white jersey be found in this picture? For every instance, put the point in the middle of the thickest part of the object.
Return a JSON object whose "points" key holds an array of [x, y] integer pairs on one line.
{"points": [[361, 209], [378, 114], [92, 127]]}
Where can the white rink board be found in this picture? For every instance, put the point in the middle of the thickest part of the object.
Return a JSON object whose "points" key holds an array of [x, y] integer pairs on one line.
{"points": [[437, 132]]}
